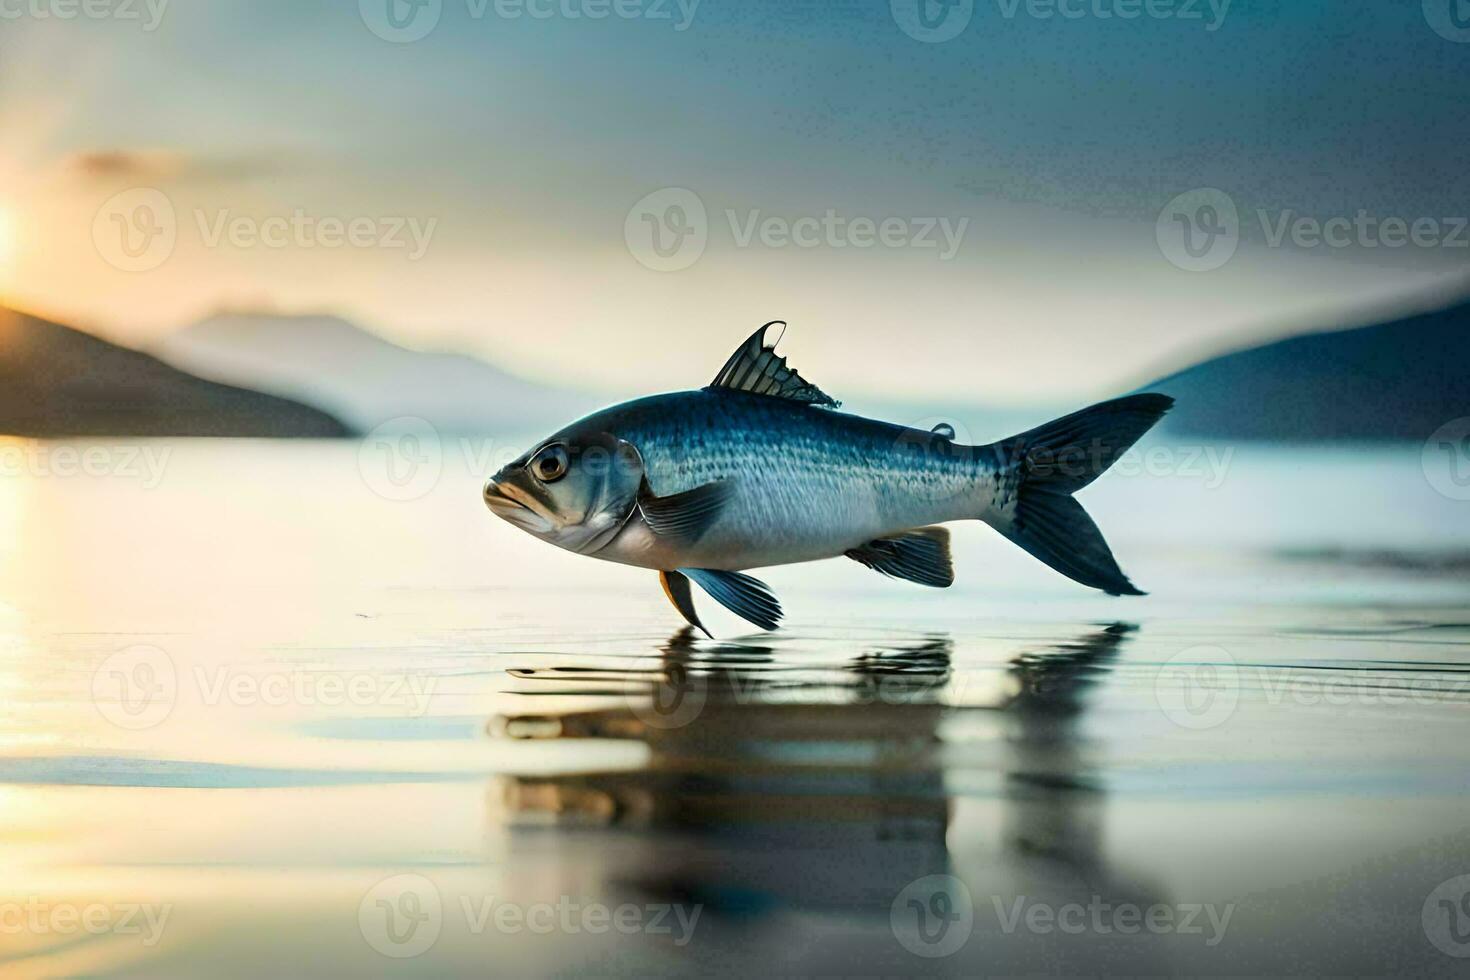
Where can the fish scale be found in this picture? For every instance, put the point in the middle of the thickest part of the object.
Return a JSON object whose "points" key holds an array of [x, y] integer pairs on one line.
{"points": [[760, 469], [809, 482]]}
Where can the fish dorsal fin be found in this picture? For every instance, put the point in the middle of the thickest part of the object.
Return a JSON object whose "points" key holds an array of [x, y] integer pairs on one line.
{"points": [[757, 368]]}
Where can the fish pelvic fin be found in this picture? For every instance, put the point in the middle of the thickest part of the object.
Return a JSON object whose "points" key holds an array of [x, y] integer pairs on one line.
{"points": [[920, 555], [747, 597], [682, 518], [1048, 464], [676, 587]]}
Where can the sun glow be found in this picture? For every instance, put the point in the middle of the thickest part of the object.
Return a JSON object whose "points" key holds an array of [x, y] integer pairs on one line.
{"points": [[7, 245]]}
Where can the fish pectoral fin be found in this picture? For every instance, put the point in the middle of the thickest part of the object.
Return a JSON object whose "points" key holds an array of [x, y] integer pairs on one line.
{"points": [[920, 555], [749, 598], [757, 368], [676, 587], [683, 517]]}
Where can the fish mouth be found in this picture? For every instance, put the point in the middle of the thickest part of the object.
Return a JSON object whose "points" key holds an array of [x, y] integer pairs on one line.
{"points": [[509, 504]]}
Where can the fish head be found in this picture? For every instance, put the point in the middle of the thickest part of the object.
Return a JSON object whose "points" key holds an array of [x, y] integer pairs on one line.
{"points": [[574, 490]]}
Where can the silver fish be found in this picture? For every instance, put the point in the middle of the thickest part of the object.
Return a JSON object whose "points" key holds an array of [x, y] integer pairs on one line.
{"points": [[759, 468]]}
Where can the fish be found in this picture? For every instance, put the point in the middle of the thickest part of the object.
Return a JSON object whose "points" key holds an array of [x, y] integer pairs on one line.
{"points": [[760, 468]]}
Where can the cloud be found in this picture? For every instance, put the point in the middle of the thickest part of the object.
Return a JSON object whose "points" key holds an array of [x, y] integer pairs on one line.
{"points": [[151, 165], [131, 164]]}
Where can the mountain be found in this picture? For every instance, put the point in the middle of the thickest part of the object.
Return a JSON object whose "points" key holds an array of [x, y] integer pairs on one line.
{"points": [[56, 381], [1397, 380], [327, 361]]}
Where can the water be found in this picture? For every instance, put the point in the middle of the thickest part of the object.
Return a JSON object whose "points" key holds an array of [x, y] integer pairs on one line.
{"points": [[263, 717]]}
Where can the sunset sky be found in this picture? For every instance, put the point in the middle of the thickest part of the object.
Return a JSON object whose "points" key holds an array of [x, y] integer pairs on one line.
{"points": [[517, 145]]}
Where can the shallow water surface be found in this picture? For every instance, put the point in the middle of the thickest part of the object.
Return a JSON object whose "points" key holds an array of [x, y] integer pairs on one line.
{"points": [[285, 711]]}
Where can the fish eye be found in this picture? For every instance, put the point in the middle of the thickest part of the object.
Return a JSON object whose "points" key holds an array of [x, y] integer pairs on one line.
{"points": [[550, 464]]}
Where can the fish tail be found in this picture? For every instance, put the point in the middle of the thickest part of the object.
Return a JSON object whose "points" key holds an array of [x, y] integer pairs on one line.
{"points": [[1043, 467]]}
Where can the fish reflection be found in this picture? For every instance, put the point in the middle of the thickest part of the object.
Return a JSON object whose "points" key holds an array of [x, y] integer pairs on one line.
{"points": [[735, 690], [775, 779], [768, 780], [1054, 814]]}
